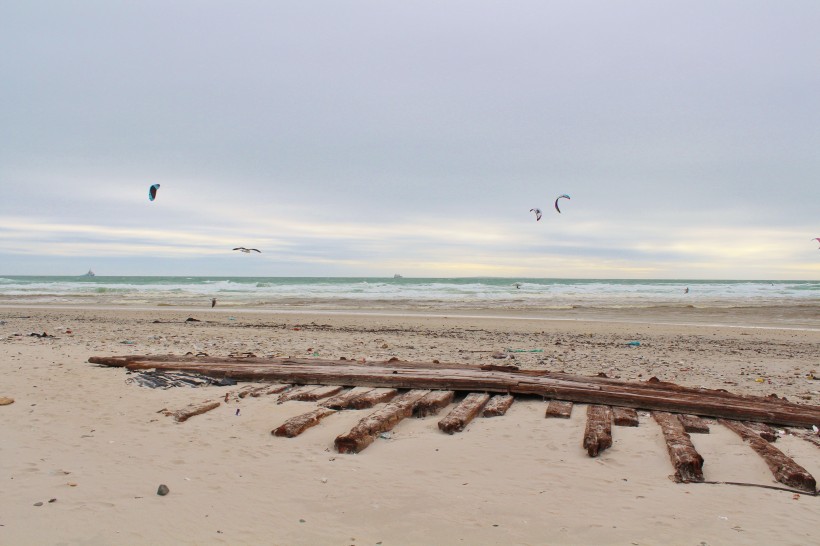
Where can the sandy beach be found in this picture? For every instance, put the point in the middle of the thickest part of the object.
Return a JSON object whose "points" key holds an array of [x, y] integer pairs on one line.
{"points": [[93, 449]]}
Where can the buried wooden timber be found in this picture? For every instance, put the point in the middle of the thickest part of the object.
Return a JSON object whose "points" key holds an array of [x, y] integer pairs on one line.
{"points": [[763, 430], [561, 409], [809, 435], [319, 393], [650, 395], [433, 402], [373, 397], [297, 425], [466, 410], [382, 420], [624, 417], [276, 388], [686, 460], [180, 416], [785, 470], [296, 393], [498, 405], [598, 433], [693, 424], [342, 400]]}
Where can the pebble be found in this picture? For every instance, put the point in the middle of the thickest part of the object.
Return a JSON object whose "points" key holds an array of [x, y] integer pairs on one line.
{"points": [[163, 490]]}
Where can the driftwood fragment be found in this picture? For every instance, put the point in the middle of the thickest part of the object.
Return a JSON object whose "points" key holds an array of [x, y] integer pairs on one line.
{"points": [[373, 397], [498, 405], [297, 425], [464, 412], [382, 420], [693, 424], [342, 400], [319, 393], [625, 417], [433, 402], [559, 408], [189, 411], [686, 460], [598, 433], [295, 393], [783, 467], [763, 430]]}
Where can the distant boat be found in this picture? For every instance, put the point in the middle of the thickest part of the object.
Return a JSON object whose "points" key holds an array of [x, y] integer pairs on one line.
{"points": [[397, 276], [90, 274]]}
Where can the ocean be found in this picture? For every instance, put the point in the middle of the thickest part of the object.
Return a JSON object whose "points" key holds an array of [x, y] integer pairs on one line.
{"points": [[414, 293]]}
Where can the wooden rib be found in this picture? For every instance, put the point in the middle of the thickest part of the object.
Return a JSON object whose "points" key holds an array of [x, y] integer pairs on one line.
{"points": [[382, 420], [598, 433], [191, 410], [561, 409], [297, 425], [686, 460], [498, 405], [295, 393], [319, 393], [651, 395], [464, 412], [763, 430], [433, 402], [693, 424], [276, 388], [342, 400], [625, 417], [784, 469], [373, 397]]}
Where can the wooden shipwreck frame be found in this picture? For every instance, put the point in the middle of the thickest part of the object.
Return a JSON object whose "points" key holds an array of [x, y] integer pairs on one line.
{"points": [[426, 388]]}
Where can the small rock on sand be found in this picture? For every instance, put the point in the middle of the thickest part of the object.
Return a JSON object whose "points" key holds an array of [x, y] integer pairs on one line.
{"points": [[162, 490]]}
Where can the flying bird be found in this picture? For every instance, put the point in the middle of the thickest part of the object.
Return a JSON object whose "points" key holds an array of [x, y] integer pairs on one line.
{"points": [[564, 196], [537, 214], [247, 250], [152, 192]]}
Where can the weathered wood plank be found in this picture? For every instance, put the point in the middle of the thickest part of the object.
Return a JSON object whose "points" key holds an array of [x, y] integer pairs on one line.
{"points": [[686, 460], [598, 433], [625, 417], [693, 424], [382, 420], [319, 393], [191, 410], [461, 415], [561, 409], [373, 397], [342, 400], [295, 393], [300, 423], [650, 395], [433, 402], [783, 467], [498, 405]]}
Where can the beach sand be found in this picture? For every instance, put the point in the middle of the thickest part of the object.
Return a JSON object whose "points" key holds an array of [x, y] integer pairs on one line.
{"points": [[80, 434]]}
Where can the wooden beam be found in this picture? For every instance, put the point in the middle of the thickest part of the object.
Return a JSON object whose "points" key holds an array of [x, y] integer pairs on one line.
{"points": [[382, 420], [464, 412], [686, 460], [297, 425], [498, 405], [319, 393], [651, 395], [433, 402], [693, 424], [180, 416], [625, 417], [342, 400], [784, 469], [598, 433], [372, 398], [561, 409], [295, 393]]}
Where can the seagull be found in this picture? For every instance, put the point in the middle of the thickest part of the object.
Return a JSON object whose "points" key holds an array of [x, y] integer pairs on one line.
{"points": [[247, 250]]}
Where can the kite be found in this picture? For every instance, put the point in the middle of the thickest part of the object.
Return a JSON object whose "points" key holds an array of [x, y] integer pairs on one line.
{"points": [[816, 239], [537, 214], [564, 196], [247, 250], [152, 192]]}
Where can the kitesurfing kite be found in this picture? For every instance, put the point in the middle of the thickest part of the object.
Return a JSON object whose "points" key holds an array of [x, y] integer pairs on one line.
{"points": [[247, 250], [152, 192], [537, 214], [817, 239], [564, 196]]}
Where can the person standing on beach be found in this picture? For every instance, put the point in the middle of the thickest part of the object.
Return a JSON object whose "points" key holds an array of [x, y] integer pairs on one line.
{"points": [[213, 302]]}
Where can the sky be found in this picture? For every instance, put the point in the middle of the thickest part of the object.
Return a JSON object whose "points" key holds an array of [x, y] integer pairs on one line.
{"points": [[367, 138]]}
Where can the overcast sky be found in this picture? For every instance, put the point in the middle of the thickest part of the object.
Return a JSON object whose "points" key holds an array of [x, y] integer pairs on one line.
{"points": [[382, 137]]}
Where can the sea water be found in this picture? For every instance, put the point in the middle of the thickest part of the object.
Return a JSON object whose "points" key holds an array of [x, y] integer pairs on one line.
{"points": [[421, 293]]}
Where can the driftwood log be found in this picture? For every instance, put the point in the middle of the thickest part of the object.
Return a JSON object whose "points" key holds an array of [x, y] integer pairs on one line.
{"points": [[342, 400], [466, 410], [297, 425], [382, 420], [598, 433], [561, 409], [191, 410], [686, 460], [650, 395], [693, 424], [498, 405], [783, 467], [433, 402], [625, 417]]}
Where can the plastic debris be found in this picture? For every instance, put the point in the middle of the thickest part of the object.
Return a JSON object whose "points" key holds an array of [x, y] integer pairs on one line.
{"points": [[634, 343], [525, 350]]}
